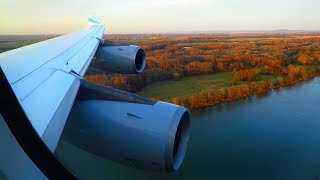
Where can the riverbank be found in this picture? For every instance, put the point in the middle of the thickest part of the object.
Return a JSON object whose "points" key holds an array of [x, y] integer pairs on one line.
{"points": [[217, 89], [166, 90], [206, 100]]}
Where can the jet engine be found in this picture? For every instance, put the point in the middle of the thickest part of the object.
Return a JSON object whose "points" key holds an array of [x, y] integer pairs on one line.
{"points": [[120, 58], [125, 127], [128, 128]]}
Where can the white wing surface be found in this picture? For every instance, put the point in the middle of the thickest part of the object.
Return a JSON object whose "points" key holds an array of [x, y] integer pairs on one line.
{"points": [[45, 78]]}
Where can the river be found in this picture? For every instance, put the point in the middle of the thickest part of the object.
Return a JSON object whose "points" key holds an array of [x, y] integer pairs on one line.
{"points": [[271, 136]]}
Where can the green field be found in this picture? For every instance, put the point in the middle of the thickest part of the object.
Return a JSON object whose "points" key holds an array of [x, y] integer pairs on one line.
{"points": [[166, 90]]}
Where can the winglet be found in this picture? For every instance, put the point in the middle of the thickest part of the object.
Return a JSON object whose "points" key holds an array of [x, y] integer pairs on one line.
{"points": [[92, 21]]}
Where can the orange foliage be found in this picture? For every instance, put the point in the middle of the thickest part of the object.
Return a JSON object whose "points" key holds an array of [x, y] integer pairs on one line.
{"points": [[244, 75]]}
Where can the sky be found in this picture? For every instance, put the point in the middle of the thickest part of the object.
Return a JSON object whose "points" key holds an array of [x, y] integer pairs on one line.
{"points": [[157, 16]]}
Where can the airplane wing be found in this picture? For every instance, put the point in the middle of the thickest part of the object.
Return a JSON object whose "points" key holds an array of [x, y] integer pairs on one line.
{"points": [[42, 83], [45, 78]]}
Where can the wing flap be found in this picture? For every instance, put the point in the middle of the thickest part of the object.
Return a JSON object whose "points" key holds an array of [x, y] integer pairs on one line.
{"points": [[42, 103], [27, 85], [79, 61]]}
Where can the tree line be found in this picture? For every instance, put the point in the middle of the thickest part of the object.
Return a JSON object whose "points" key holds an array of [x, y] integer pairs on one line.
{"points": [[211, 54], [200, 100], [185, 56]]}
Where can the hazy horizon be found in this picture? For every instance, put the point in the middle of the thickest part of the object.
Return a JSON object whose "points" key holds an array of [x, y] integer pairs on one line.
{"points": [[277, 31], [151, 17]]}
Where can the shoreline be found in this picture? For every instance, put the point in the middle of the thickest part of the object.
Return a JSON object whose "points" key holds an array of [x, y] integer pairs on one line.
{"points": [[181, 102]]}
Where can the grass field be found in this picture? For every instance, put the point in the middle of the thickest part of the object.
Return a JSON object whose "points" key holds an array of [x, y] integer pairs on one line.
{"points": [[166, 90]]}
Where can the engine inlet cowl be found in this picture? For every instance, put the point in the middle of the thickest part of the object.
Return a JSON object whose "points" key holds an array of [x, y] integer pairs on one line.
{"points": [[150, 137], [127, 59]]}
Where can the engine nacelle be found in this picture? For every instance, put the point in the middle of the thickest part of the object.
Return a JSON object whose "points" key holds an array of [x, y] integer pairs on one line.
{"points": [[121, 58], [150, 137]]}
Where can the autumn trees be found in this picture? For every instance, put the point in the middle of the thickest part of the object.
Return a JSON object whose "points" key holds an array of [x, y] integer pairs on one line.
{"points": [[213, 97], [297, 73], [196, 67], [244, 75], [179, 56], [305, 59]]}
